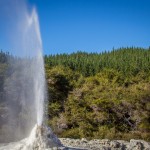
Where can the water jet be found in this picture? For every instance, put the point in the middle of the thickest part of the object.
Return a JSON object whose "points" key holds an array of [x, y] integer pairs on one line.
{"points": [[25, 88]]}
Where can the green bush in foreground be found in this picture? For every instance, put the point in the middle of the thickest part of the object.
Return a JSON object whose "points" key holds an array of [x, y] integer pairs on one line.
{"points": [[107, 105]]}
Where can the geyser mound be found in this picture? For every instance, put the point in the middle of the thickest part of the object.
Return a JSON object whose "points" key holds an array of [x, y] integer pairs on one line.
{"points": [[41, 138]]}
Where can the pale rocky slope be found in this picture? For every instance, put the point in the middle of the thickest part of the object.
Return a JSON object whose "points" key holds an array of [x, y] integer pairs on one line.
{"points": [[106, 144]]}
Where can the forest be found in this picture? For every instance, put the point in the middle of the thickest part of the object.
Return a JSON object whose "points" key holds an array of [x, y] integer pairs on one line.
{"points": [[95, 95]]}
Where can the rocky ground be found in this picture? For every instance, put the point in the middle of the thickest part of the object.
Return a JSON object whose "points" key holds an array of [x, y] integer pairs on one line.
{"points": [[104, 144], [42, 138]]}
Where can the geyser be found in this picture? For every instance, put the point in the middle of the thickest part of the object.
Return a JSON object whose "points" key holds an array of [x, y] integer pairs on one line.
{"points": [[24, 87], [39, 74]]}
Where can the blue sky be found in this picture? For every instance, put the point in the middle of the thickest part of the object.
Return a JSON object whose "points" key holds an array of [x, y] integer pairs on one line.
{"points": [[92, 25]]}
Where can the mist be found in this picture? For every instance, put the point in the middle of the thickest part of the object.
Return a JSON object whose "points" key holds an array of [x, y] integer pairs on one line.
{"points": [[24, 89]]}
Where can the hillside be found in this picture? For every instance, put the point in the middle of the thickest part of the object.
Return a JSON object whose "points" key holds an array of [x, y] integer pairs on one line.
{"points": [[93, 95], [103, 95]]}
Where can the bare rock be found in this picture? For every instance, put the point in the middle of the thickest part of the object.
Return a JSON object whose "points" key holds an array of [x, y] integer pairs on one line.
{"points": [[106, 144]]}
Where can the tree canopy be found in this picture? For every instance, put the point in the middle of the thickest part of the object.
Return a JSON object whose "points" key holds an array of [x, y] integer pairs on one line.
{"points": [[94, 95]]}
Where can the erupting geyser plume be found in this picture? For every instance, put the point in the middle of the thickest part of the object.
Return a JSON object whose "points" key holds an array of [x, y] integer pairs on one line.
{"points": [[25, 88], [39, 86]]}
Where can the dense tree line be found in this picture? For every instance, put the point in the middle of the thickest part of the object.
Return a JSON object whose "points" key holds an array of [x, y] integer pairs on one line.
{"points": [[94, 95], [129, 61]]}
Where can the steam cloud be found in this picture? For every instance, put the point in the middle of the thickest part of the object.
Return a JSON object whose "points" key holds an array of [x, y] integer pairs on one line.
{"points": [[24, 86]]}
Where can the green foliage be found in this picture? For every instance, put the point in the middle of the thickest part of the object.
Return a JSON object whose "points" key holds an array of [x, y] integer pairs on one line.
{"points": [[95, 95], [128, 61], [60, 82], [108, 94]]}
